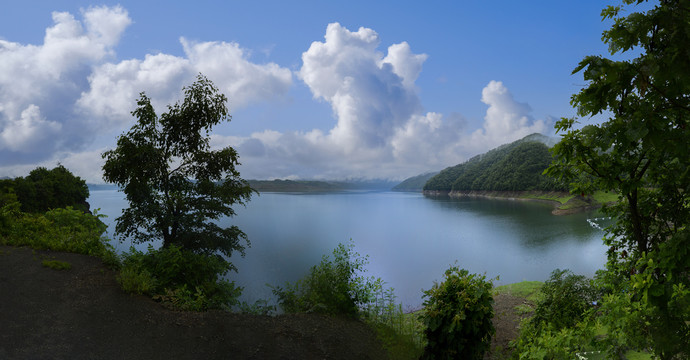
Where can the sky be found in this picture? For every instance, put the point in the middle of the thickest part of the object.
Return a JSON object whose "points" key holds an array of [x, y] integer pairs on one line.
{"points": [[317, 89]]}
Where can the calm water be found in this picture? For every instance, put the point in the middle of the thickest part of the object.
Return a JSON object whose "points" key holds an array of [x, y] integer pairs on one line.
{"points": [[410, 239]]}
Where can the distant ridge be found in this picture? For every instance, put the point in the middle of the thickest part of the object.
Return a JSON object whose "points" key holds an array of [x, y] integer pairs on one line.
{"points": [[318, 186], [414, 183]]}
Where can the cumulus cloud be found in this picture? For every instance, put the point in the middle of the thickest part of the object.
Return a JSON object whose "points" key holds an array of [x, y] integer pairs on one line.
{"points": [[380, 127], [39, 83], [115, 87], [506, 120], [54, 97]]}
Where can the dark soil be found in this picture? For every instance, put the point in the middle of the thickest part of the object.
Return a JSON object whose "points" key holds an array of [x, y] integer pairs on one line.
{"points": [[82, 313], [506, 321]]}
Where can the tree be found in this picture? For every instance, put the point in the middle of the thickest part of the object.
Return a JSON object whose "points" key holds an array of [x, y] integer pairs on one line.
{"points": [[640, 152], [44, 189], [176, 185]]}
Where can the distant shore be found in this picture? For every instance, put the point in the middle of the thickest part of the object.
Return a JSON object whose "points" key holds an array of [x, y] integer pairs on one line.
{"points": [[564, 202]]}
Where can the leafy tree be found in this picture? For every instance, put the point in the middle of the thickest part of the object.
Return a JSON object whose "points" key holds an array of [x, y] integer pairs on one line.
{"points": [[176, 185], [45, 189], [640, 152]]}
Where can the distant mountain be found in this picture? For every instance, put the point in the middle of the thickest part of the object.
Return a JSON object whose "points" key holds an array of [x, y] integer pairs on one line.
{"points": [[415, 183], [318, 186], [517, 166]]}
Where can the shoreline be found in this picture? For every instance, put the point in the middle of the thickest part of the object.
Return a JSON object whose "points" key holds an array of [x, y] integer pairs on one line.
{"points": [[564, 203]]}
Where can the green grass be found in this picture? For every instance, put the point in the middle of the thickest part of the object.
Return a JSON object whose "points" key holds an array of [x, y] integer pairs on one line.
{"points": [[562, 198], [604, 197], [637, 355], [57, 264], [524, 289]]}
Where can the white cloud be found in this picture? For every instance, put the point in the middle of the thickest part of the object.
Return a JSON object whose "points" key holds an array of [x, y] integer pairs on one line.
{"points": [[115, 87], [506, 120], [29, 131], [55, 97], [380, 128], [367, 95], [40, 83]]}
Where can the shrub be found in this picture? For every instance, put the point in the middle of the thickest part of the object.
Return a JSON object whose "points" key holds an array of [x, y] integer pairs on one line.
{"points": [[333, 287], [179, 278], [560, 325], [56, 264], [564, 299], [67, 230], [457, 316]]}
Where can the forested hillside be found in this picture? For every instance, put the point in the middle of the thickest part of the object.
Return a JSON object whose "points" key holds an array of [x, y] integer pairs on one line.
{"points": [[517, 166]]}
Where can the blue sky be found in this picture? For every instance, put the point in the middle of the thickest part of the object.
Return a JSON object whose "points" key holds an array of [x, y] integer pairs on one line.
{"points": [[317, 89]]}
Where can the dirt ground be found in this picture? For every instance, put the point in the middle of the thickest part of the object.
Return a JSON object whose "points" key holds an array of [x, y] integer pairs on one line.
{"points": [[81, 313]]}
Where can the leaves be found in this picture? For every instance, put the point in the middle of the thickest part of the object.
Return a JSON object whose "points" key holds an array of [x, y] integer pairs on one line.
{"points": [[457, 316], [640, 152], [176, 185]]}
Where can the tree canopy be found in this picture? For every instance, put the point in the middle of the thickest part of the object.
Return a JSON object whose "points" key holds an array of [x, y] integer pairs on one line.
{"points": [[176, 185], [641, 153], [44, 189]]}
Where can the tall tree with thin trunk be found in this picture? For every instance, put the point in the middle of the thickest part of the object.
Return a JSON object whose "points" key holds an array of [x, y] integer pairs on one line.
{"points": [[176, 185]]}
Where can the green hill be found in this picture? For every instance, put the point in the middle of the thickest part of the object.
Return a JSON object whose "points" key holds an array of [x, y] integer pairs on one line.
{"points": [[517, 166], [415, 183]]}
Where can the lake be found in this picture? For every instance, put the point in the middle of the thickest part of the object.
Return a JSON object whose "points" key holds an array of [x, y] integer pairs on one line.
{"points": [[410, 239]]}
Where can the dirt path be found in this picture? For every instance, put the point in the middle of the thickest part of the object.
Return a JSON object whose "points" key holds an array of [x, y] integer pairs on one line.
{"points": [[82, 314]]}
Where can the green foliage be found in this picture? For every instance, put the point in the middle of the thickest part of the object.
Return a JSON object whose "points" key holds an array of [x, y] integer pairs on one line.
{"points": [[47, 189], [137, 280], [517, 166], [59, 229], [457, 316], [337, 286], [334, 287], [175, 184], [400, 334], [564, 300], [641, 154], [179, 278], [550, 344], [56, 264], [560, 325]]}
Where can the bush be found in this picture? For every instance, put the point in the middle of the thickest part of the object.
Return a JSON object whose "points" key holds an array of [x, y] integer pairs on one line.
{"points": [[457, 316], [333, 287], [179, 278], [564, 299], [560, 325], [67, 230]]}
